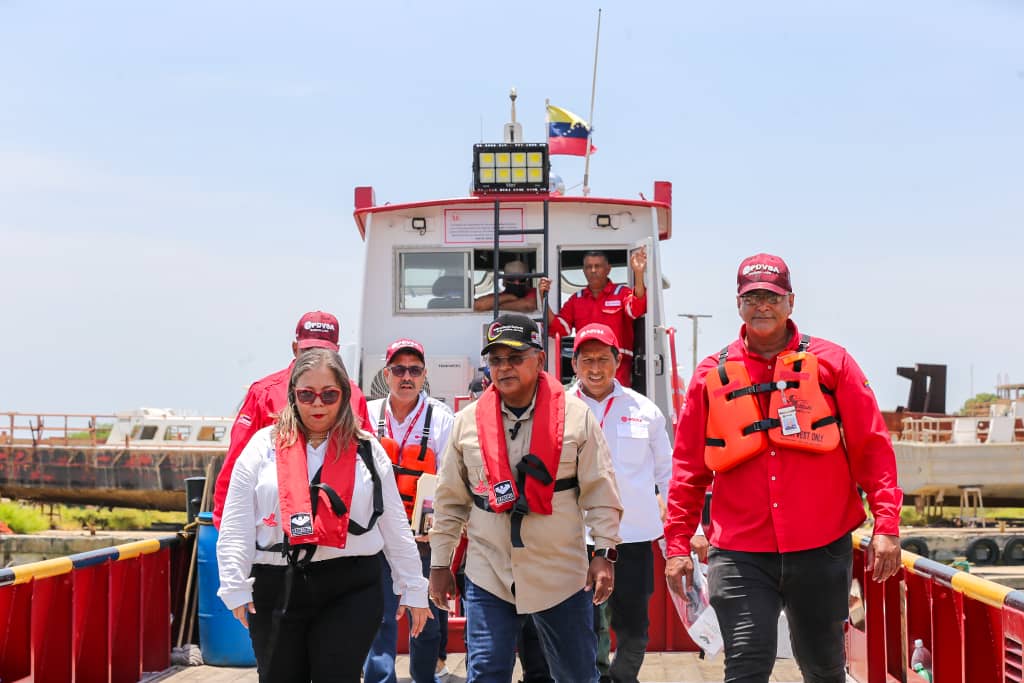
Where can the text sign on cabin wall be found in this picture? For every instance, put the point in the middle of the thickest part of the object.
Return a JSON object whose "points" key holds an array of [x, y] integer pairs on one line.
{"points": [[476, 226]]}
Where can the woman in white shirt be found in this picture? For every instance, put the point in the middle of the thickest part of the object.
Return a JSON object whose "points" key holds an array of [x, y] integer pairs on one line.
{"points": [[311, 504]]}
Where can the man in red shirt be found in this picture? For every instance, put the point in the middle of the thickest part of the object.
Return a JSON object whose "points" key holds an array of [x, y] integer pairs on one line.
{"points": [[267, 396], [785, 504], [603, 301]]}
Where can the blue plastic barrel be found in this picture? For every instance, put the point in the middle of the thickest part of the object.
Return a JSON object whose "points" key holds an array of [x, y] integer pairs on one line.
{"points": [[222, 638]]}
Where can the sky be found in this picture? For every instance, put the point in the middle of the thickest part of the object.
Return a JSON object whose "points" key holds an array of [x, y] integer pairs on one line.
{"points": [[176, 179]]}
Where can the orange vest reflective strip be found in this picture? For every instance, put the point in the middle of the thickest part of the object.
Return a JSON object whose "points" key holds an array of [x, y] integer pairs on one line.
{"points": [[736, 428], [409, 462]]}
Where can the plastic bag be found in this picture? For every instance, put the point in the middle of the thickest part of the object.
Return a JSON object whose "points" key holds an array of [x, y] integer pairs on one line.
{"points": [[696, 613]]}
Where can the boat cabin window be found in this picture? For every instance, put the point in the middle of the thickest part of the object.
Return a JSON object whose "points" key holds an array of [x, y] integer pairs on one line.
{"points": [[211, 433], [433, 280], [571, 278], [483, 270], [177, 432], [143, 432]]}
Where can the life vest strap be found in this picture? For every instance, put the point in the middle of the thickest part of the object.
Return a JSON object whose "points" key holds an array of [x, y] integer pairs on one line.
{"points": [[760, 426], [560, 485], [830, 419], [426, 432], [762, 388], [717, 443], [532, 466], [406, 471], [378, 492]]}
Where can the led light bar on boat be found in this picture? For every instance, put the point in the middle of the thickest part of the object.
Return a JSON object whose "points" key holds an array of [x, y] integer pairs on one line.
{"points": [[510, 167]]}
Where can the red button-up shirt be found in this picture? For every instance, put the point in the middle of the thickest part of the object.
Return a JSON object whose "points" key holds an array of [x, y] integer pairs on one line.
{"points": [[266, 398], [617, 307], [784, 499]]}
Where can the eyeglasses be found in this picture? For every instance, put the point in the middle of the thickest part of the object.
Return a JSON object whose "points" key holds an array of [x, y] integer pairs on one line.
{"points": [[513, 360], [400, 370], [759, 298], [328, 396]]}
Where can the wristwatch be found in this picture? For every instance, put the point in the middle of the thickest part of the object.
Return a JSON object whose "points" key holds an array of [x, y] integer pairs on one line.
{"points": [[610, 554]]}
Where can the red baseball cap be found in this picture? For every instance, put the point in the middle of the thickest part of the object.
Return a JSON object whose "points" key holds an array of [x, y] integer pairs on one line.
{"points": [[317, 329], [763, 271], [410, 345], [595, 332]]}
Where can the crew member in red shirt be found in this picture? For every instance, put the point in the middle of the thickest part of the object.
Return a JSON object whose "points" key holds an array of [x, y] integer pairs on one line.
{"points": [[269, 395], [605, 302], [761, 422]]}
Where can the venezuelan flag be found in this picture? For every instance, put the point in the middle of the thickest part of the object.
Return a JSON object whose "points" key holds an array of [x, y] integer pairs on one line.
{"points": [[567, 133]]}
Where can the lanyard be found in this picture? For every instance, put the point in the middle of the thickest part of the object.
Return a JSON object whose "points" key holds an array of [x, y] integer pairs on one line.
{"points": [[410, 428], [607, 407]]}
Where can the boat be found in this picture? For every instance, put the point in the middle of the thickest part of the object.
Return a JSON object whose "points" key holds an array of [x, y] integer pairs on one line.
{"points": [[103, 615], [139, 458]]}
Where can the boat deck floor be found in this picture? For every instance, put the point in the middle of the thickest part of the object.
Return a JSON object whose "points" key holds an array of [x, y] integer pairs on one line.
{"points": [[675, 667]]}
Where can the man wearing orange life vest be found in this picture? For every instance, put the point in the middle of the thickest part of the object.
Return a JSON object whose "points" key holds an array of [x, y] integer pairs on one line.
{"points": [[267, 397], [603, 301], [414, 430], [524, 463], [762, 421]]}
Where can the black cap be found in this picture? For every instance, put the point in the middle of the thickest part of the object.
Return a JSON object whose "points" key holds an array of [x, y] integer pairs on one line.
{"points": [[514, 330]]}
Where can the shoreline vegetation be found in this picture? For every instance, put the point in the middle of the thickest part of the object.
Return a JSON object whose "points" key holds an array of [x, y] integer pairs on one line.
{"points": [[28, 518]]}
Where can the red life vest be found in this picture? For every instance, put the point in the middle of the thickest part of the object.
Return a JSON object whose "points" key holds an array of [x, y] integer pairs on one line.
{"points": [[409, 462], [333, 484], [736, 427], [531, 489]]}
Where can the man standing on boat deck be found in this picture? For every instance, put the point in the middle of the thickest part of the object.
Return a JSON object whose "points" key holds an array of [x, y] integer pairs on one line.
{"points": [[762, 420], [524, 463], [642, 457], [603, 301], [414, 429], [268, 396]]}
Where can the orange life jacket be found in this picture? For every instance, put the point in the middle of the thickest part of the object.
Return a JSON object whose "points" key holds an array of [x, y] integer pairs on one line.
{"points": [[409, 462], [333, 483], [800, 416], [531, 489]]}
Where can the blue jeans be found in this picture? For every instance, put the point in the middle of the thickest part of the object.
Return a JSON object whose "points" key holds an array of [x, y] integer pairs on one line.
{"points": [[424, 649], [749, 589], [566, 631]]}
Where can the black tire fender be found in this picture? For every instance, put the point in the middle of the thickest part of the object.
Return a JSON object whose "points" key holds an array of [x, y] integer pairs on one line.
{"points": [[916, 545], [1013, 551], [982, 551]]}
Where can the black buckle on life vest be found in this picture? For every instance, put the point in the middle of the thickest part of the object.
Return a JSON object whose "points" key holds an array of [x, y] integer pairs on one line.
{"points": [[760, 426]]}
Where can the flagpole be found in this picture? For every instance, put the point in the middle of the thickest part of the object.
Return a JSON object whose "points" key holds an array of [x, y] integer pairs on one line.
{"points": [[590, 121]]}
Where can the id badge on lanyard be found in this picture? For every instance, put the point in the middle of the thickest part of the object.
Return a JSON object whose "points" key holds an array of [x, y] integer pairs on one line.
{"points": [[787, 414]]}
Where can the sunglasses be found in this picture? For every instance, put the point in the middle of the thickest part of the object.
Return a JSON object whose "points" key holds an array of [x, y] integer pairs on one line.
{"points": [[401, 370], [328, 396], [513, 361]]}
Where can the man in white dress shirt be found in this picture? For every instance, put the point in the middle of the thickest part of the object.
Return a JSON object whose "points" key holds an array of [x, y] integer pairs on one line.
{"points": [[642, 458], [412, 421]]}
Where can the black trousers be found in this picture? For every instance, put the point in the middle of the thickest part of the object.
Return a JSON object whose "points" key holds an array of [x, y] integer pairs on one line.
{"points": [[332, 616], [634, 584], [748, 590]]}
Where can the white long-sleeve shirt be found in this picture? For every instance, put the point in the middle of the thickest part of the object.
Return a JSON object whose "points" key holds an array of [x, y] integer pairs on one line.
{"points": [[252, 514], [634, 428]]}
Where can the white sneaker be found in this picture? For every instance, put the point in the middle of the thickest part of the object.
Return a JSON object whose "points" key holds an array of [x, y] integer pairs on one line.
{"points": [[442, 674]]}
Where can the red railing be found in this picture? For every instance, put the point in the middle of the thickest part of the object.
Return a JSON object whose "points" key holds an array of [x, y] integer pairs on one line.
{"points": [[973, 628], [103, 615], [677, 383]]}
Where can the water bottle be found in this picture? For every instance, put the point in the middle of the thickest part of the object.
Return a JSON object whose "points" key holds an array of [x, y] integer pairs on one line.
{"points": [[923, 672], [921, 656]]}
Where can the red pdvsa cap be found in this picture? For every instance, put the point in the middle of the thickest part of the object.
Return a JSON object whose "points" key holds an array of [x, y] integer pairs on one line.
{"points": [[317, 329], [763, 271]]}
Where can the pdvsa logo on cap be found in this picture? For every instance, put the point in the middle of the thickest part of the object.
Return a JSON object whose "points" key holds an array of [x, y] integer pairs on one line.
{"points": [[760, 268], [318, 326]]}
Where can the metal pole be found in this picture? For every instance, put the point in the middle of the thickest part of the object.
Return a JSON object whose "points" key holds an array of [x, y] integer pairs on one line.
{"points": [[694, 317], [590, 121]]}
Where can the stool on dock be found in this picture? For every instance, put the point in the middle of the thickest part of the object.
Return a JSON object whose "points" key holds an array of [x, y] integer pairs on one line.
{"points": [[970, 499]]}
